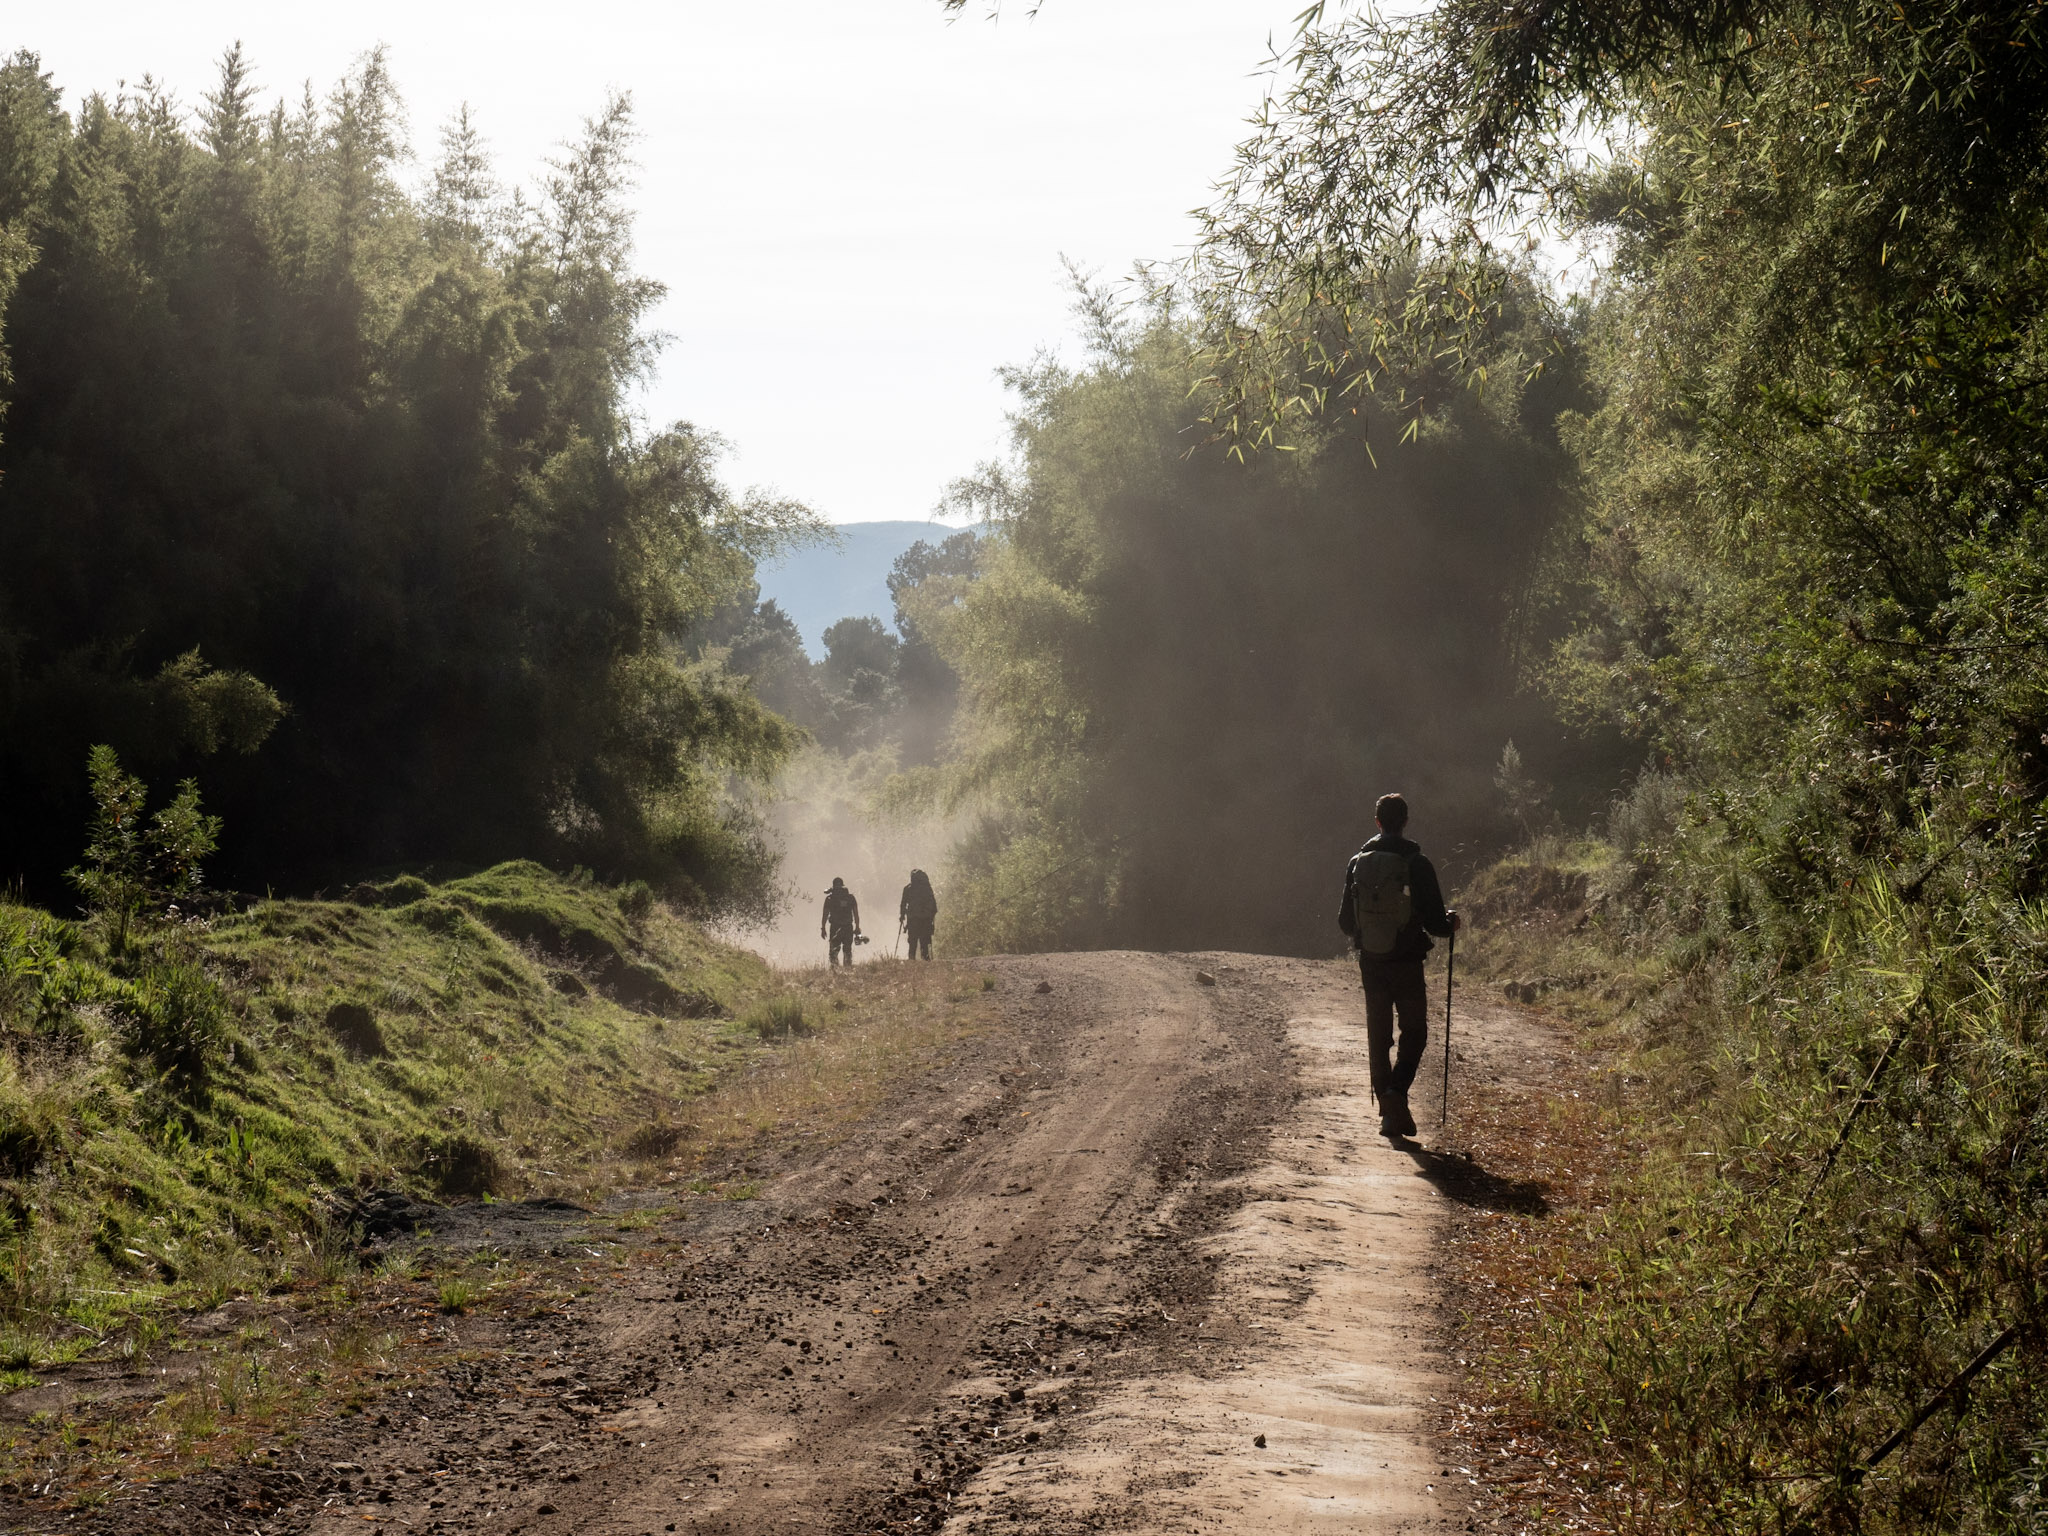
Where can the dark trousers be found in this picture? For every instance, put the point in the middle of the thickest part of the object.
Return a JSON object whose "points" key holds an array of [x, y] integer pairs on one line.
{"points": [[842, 943], [1393, 988], [920, 943]]}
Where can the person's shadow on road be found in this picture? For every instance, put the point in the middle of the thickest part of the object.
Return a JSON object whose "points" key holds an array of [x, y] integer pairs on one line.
{"points": [[1462, 1180]]}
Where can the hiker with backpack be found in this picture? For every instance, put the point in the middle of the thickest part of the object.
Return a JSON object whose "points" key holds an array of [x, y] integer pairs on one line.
{"points": [[1392, 904], [841, 921], [918, 914]]}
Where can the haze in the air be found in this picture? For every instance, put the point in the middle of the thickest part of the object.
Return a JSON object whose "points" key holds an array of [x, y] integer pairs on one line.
{"points": [[859, 208]]}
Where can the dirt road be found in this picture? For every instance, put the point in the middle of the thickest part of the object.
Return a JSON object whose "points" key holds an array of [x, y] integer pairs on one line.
{"points": [[1137, 1260]]}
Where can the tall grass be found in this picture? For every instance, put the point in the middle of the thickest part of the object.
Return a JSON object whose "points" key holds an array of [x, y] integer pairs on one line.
{"points": [[1845, 1202], [777, 1018]]}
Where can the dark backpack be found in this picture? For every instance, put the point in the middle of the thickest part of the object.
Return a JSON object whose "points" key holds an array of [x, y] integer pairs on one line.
{"points": [[839, 908]]}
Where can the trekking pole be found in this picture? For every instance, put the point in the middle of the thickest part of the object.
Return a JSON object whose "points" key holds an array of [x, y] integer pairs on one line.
{"points": [[1450, 972]]}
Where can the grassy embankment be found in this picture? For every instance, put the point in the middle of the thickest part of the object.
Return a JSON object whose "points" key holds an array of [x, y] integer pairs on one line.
{"points": [[1792, 1202], [187, 1113]]}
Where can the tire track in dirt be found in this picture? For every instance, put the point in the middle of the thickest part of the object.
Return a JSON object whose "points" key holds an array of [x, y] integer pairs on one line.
{"points": [[1004, 1241], [1301, 1400]]}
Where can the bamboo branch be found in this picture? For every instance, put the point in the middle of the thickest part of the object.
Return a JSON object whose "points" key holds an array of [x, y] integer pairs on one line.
{"points": [[1864, 1099], [1957, 1383], [1805, 1511]]}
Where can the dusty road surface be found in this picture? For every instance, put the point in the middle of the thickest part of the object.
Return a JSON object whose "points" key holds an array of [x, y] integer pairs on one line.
{"points": [[1137, 1260]]}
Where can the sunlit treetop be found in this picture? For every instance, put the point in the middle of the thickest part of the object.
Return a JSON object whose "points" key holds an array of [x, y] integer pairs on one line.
{"points": [[1403, 165]]}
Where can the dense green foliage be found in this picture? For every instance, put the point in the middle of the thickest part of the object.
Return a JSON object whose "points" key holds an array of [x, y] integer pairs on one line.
{"points": [[1817, 523], [270, 412], [1186, 677]]}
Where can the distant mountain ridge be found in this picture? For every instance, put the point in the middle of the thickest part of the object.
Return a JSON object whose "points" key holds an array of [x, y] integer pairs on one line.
{"points": [[821, 584]]}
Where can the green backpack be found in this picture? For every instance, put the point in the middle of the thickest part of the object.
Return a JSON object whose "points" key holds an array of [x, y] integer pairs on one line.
{"points": [[1379, 900]]}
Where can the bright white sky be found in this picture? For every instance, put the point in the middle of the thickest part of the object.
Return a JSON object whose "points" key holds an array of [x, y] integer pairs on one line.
{"points": [[858, 207]]}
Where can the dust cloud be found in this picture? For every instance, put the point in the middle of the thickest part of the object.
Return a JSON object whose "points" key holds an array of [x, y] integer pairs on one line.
{"points": [[1260, 650], [822, 818]]}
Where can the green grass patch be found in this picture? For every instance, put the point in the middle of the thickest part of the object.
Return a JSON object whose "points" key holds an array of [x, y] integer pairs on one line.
{"points": [[778, 1018], [183, 1119], [457, 1294]]}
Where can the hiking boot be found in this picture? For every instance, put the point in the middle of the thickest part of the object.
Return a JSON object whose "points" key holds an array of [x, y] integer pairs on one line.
{"points": [[1395, 1121]]}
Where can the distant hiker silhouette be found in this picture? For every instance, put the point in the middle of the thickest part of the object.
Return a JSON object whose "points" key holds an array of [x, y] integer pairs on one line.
{"points": [[918, 913], [1392, 904], [840, 921]]}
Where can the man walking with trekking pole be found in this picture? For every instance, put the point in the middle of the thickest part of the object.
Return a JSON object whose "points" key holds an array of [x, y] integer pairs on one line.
{"points": [[1392, 904]]}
